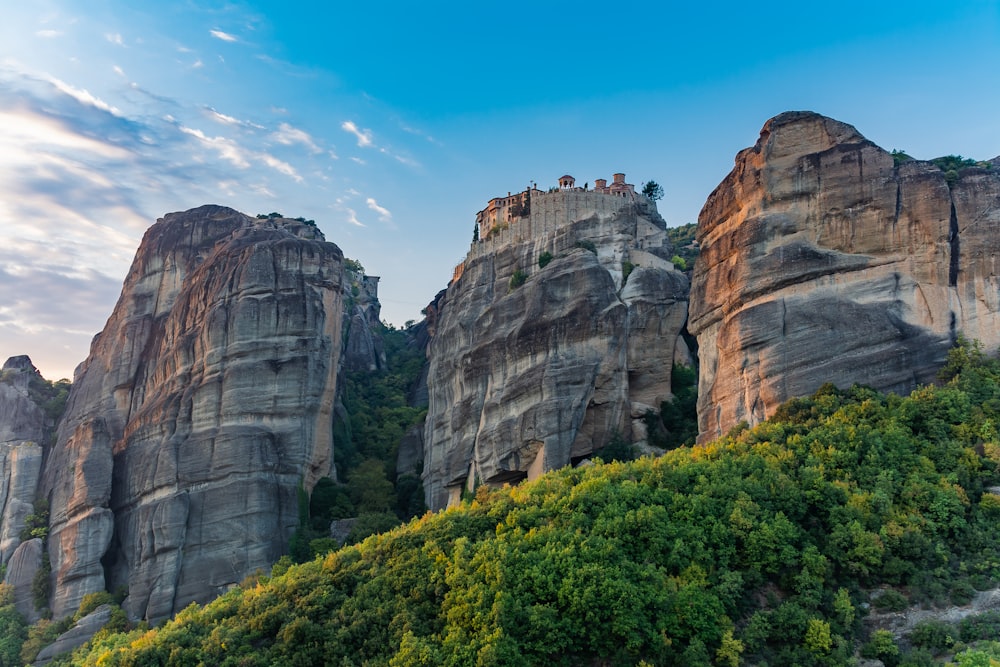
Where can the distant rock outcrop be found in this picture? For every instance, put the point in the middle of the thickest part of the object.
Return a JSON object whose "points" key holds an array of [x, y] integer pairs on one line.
{"points": [[525, 378], [824, 261], [24, 429], [205, 404]]}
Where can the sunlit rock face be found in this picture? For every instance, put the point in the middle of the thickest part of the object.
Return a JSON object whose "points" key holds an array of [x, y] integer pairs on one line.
{"points": [[204, 404], [524, 379], [823, 261]]}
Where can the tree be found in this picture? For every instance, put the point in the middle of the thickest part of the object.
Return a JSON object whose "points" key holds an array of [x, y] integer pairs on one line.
{"points": [[653, 190]]}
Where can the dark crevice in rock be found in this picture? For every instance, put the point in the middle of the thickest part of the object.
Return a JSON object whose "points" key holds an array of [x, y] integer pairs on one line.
{"points": [[954, 249], [899, 202]]}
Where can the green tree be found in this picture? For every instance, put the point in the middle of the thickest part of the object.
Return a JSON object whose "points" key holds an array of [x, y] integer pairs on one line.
{"points": [[653, 190]]}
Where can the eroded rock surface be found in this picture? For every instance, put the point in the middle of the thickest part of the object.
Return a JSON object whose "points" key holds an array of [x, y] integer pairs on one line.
{"points": [[823, 261], [202, 407], [525, 379], [24, 429]]}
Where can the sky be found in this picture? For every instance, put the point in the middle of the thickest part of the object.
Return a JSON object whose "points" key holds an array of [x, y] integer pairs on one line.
{"points": [[392, 123]]}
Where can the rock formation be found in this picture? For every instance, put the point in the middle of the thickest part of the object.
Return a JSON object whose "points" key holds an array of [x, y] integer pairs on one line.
{"points": [[824, 261], [24, 429], [524, 379], [205, 404]]}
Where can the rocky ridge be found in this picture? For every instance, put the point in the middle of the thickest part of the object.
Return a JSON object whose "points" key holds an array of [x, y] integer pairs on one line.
{"points": [[822, 260], [525, 378], [205, 404]]}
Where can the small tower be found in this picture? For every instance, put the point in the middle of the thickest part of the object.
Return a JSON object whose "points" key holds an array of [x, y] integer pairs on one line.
{"points": [[566, 182]]}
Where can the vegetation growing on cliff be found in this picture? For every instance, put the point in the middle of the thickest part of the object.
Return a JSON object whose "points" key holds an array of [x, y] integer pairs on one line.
{"points": [[685, 249], [759, 548]]}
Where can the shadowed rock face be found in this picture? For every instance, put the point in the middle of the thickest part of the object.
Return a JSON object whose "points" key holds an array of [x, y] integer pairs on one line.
{"points": [[204, 404], [24, 430], [527, 379], [821, 261]]}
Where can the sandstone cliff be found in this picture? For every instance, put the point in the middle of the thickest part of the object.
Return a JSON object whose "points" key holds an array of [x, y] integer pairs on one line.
{"points": [[203, 406], [525, 379], [823, 261], [25, 428]]}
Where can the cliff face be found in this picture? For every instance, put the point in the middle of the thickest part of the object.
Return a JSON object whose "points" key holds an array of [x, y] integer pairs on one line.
{"points": [[525, 379], [24, 429], [822, 261], [204, 404]]}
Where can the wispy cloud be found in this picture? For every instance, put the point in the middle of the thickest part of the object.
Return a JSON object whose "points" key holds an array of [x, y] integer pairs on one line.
{"points": [[237, 155], [83, 96], [224, 36], [383, 213], [364, 136], [226, 119], [289, 135], [115, 38], [352, 217], [48, 34]]}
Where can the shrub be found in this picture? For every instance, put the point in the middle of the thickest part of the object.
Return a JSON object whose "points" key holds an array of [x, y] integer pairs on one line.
{"points": [[544, 259], [980, 626], [627, 268], [587, 244], [882, 646], [517, 279], [891, 600], [679, 262], [933, 634]]}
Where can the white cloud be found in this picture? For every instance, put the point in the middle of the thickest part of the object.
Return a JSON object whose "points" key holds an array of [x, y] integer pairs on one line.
{"points": [[288, 135], [383, 213], [238, 156], [225, 119], [83, 96], [25, 132], [358, 160], [364, 136], [115, 38], [352, 217], [197, 64], [224, 36], [227, 149], [409, 162], [118, 70], [48, 34], [280, 166]]}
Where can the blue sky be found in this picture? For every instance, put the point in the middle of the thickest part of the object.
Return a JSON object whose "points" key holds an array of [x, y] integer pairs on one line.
{"points": [[392, 123]]}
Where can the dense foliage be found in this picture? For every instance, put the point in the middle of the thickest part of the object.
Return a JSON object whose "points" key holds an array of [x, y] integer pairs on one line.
{"points": [[676, 424], [685, 249], [760, 548], [368, 431]]}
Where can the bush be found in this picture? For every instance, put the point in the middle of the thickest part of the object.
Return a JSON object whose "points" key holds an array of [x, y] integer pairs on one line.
{"points": [[882, 646], [891, 600], [627, 268], [933, 634], [587, 244], [980, 626], [679, 262], [517, 279], [544, 259]]}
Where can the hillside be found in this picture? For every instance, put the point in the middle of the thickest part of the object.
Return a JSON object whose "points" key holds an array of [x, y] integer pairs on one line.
{"points": [[766, 546]]}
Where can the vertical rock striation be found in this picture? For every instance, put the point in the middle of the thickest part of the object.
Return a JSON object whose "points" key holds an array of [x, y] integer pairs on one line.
{"points": [[204, 404], [823, 261], [24, 429], [524, 379]]}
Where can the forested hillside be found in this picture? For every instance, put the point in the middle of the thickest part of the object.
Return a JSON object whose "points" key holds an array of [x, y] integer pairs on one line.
{"points": [[765, 547]]}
